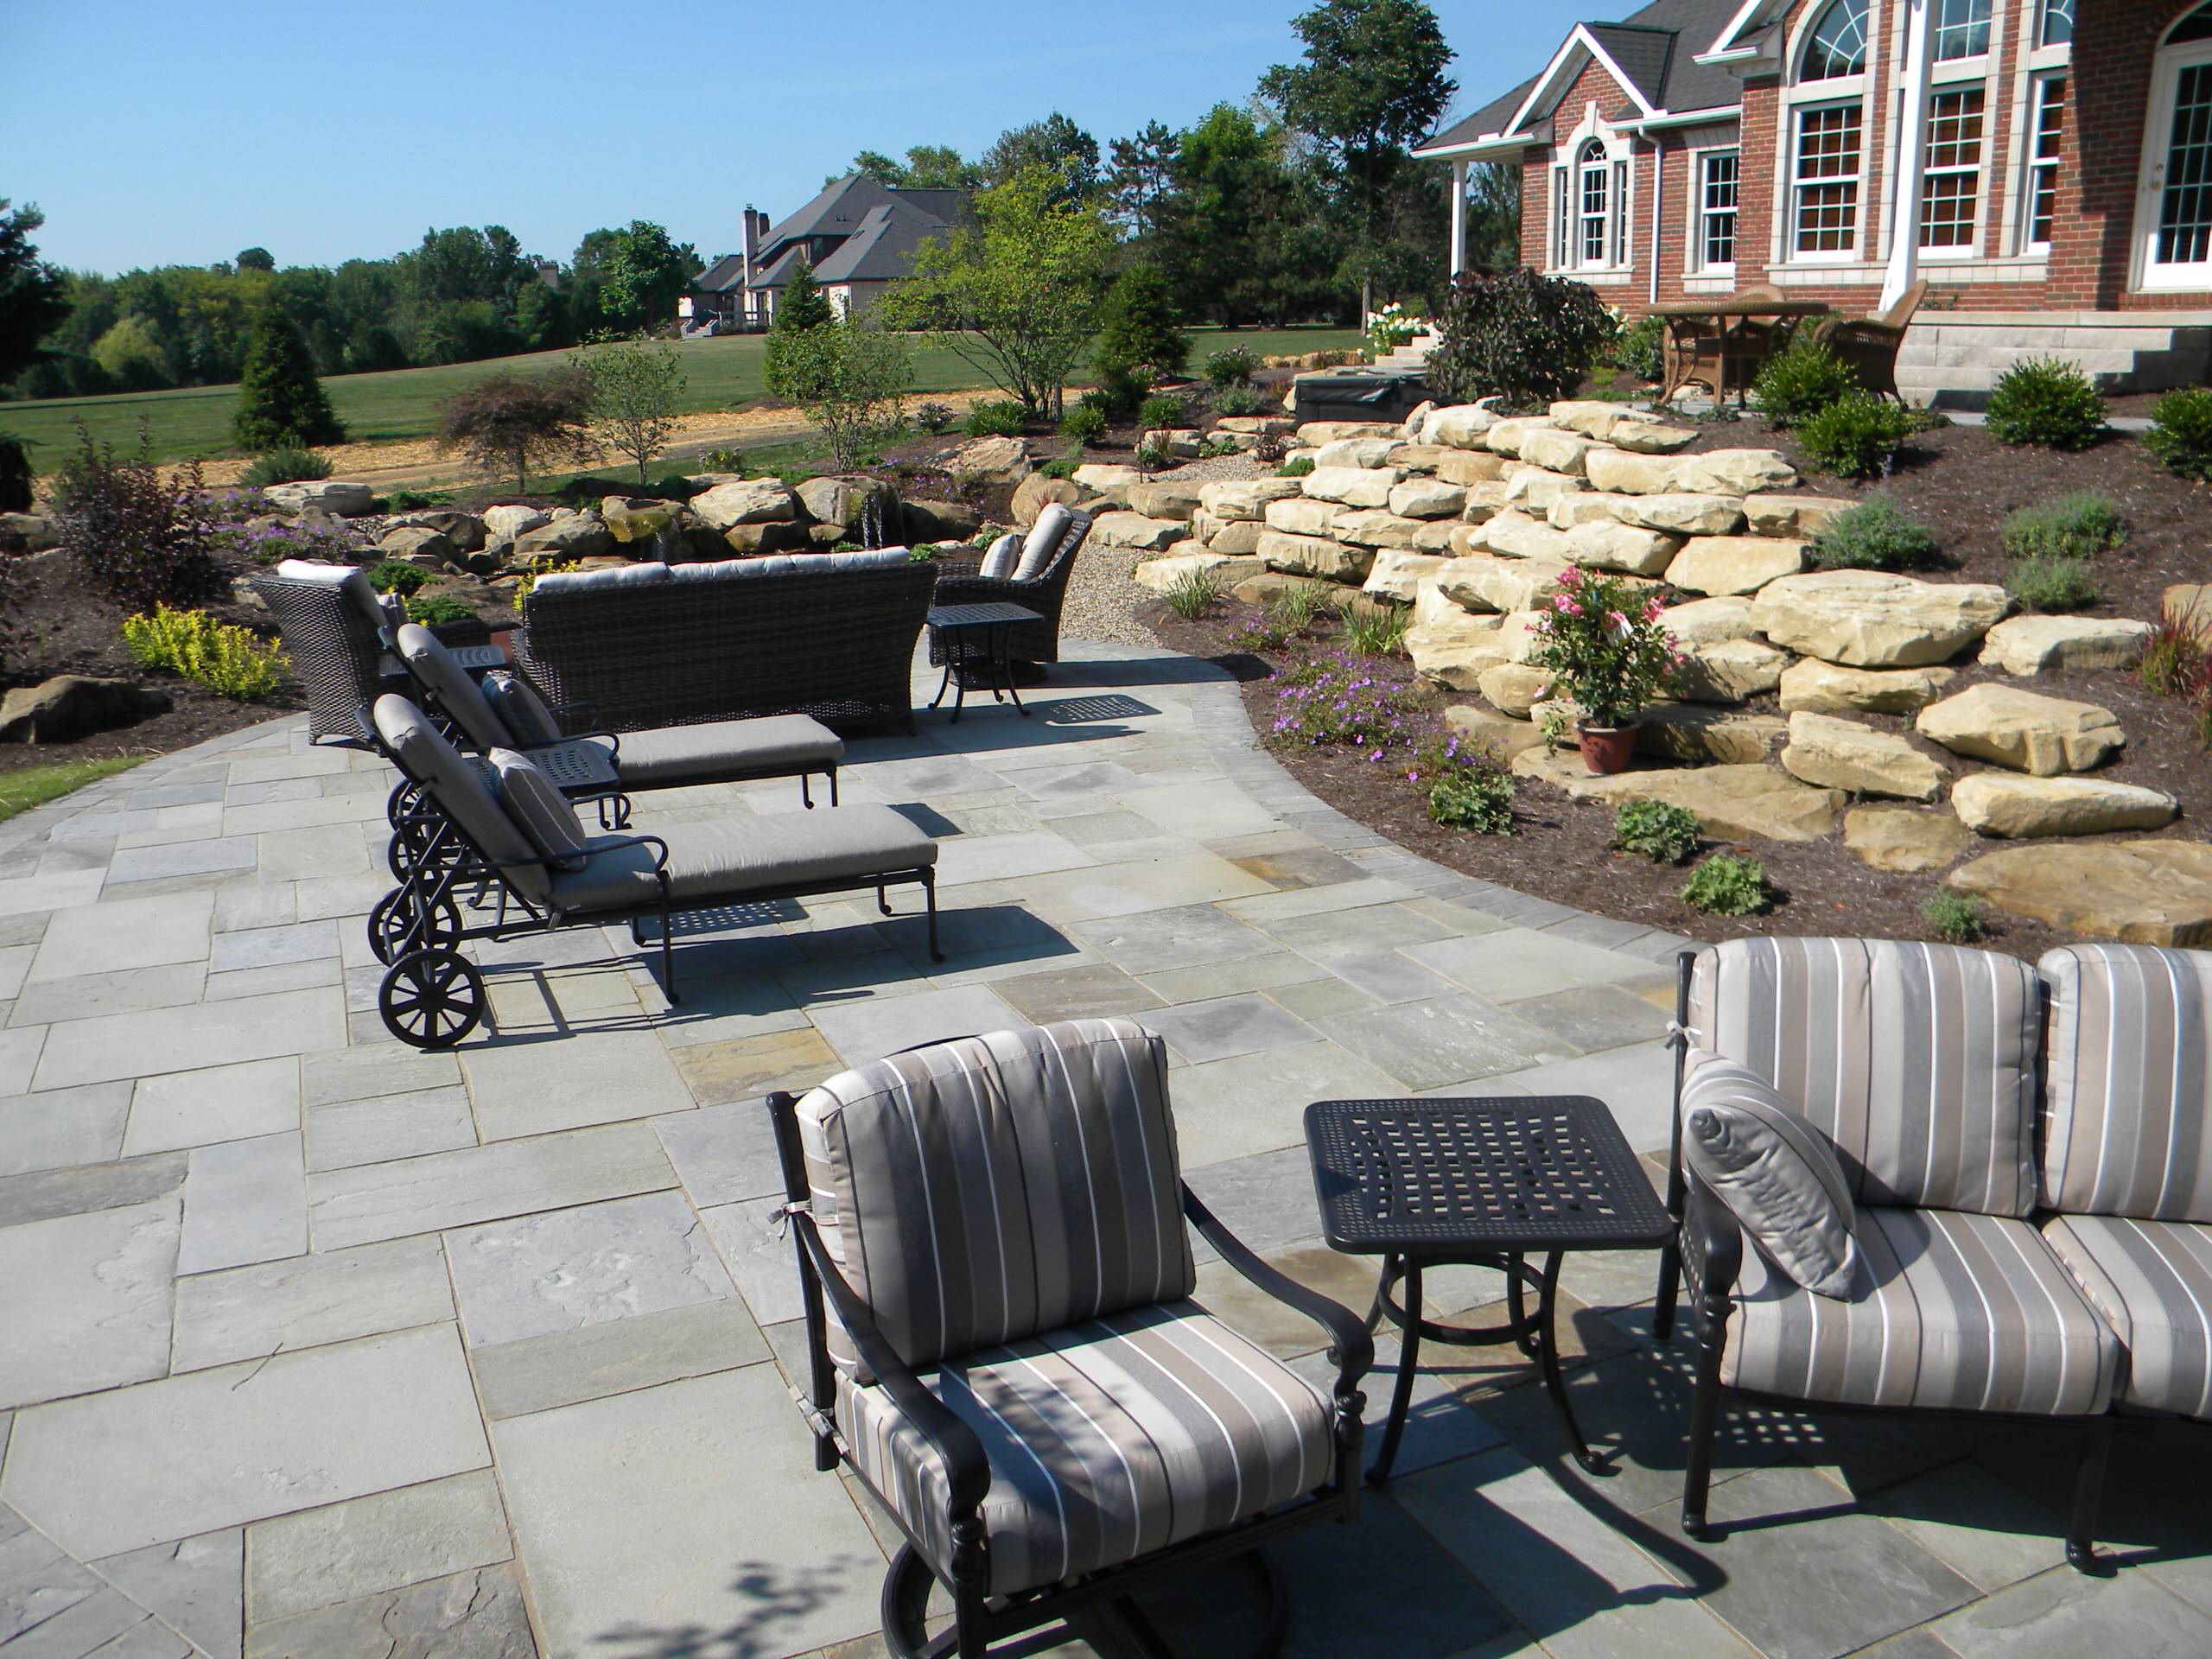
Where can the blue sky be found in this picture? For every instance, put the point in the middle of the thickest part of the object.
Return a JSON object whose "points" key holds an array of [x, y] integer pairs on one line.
{"points": [[324, 130]]}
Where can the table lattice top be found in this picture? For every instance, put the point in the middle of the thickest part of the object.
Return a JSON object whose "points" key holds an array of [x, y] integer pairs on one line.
{"points": [[1526, 1173], [997, 613]]}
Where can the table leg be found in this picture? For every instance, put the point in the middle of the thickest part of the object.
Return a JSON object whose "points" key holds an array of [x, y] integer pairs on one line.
{"points": [[1383, 1291], [1555, 1382], [951, 647], [1524, 1332], [1402, 1396], [1005, 636]]}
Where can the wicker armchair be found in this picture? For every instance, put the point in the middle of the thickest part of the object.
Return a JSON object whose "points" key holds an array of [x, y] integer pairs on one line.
{"points": [[1044, 593], [1868, 346], [336, 630]]}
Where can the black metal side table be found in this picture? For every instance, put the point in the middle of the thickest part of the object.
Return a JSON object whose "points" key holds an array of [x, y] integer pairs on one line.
{"points": [[973, 639], [1488, 1183]]}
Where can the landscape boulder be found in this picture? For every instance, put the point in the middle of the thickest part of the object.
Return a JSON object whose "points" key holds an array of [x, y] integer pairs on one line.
{"points": [[418, 544], [1454, 651], [1732, 472], [1793, 515], [1496, 738], [1137, 531], [36, 531], [1397, 575], [2025, 730], [1691, 733], [637, 524], [1165, 500], [1379, 527], [1300, 516], [1619, 472], [1164, 574], [1847, 754], [464, 530], [1680, 515], [340, 498], [847, 502], [988, 461], [1314, 556], [1517, 535], [1708, 621], [71, 706], [1557, 451], [1036, 493], [1994, 804], [1501, 585], [1096, 477], [2138, 892], [1719, 566], [503, 524], [781, 536], [1462, 426], [1729, 671], [1733, 803], [1608, 544], [1514, 689], [2028, 646], [929, 521], [745, 501], [1427, 498], [1905, 841], [2188, 606], [1813, 687], [1244, 498], [1870, 618], [1357, 452], [1352, 486], [579, 536]]}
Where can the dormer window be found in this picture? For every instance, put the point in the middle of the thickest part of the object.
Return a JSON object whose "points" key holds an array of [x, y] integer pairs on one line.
{"points": [[1839, 44]]}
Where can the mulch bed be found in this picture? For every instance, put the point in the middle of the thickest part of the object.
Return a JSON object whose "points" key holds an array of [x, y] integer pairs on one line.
{"points": [[1961, 482], [63, 625]]}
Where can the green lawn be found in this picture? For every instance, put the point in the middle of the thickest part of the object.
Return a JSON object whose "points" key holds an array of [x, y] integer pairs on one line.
{"points": [[399, 405], [29, 786]]}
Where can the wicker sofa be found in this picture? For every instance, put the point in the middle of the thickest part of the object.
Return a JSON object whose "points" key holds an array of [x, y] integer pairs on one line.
{"points": [[830, 635], [2027, 1154]]}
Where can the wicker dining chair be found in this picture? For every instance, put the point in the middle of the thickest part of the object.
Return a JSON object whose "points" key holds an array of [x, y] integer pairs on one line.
{"points": [[1868, 346]]}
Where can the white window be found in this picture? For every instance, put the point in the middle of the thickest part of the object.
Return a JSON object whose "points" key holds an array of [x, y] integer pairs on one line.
{"points": [[2057, 28], [1594, 213], [1590, 210], [1839, 44], [1950, 197], [1825, 181], [2175, 215], [1962, 30], [2046, 138], [1716, 199], [1562, 220]]}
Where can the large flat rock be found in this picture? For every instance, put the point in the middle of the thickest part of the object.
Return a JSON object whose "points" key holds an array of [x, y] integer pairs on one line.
{"points": [[2140, 891], [1906, 840], [1847, 754], [1719, 566], [2034, 645], [1735, 803], [2025, 730], [1813, 687], [1868, 618], [1994, 804]]}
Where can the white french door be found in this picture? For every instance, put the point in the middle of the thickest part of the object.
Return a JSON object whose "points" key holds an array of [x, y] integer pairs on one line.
{"points": [[2174, 214]]}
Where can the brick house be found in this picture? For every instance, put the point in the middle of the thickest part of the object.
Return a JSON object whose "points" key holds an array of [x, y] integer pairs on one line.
{"points": [[859, 236], [2058, 174]]}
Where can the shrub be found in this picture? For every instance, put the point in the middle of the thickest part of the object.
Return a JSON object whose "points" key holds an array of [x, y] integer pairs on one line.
{"points": [[284, 466], [15, 475], [2174, 663], [1525, 338], [1063, 467], [1084, 423], [512, 422], [1726, 885], [1476, 797], [1232, 365], [1296, 467], [1856, 436], [1001, 417], [1876, 535], [1154, 457], [2181, 432], [431, 609], [1334, 700], [142, 538], [2077, 527], [1376, 629], [635, 387], [850, 380], [934, 417], [397, 576], [2052, 585], [1194, 593], [1640, 349], [1657, 830], [1603, 645], [1140, 337], [1164, 412], [1958, 917], [281, 403], [2041, 400], [409, 500], [1298, 607], [226, 659], [1798, 384], [733, 461]]}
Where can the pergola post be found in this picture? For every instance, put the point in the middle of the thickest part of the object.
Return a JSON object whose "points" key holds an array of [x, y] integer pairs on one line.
{"points": [[1907, 180], [1459, 214]]}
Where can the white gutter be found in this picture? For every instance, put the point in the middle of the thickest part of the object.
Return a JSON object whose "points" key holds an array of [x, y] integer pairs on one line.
{"points": [[1658, 194], [1666, 120], [1495, 144]]}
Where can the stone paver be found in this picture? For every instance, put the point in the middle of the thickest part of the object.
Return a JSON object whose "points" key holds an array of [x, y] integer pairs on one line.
{"points": [[486, 1354]]}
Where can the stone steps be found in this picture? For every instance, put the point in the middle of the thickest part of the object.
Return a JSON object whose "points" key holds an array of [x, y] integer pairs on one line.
{"points": [[1956, 357]]}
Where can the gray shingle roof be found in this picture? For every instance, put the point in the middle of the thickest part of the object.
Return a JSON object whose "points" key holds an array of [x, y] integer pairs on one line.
{"points": [[882, 250]]}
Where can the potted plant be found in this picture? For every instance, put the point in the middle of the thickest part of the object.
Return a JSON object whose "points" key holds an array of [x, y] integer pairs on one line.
{"points": [[1601, 642]]}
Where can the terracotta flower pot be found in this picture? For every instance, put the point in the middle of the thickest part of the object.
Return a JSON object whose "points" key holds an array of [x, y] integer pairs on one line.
{"points": [[1607, 748]]}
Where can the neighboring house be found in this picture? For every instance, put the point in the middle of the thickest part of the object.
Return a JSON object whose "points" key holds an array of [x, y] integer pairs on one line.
{"points": [[2055, 190], [859, 235]]}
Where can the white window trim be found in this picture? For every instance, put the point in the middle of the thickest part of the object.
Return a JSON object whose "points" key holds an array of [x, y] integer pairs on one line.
{"points": [[1695, 264], [1976, 63], [2032, 66], [1566, 168], [2030, 126], [2145, 277], [1799, 96]]}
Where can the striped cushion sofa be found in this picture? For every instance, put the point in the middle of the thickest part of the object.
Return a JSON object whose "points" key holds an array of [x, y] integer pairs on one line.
{"points": [[1011, 1357], [2029, 1151]]}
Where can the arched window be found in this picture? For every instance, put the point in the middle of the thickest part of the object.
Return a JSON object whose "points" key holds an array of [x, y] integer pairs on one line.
{"points": [[1839, 44], [2198, 26], [1594, 213], [1962, 30], [2057, 23]]}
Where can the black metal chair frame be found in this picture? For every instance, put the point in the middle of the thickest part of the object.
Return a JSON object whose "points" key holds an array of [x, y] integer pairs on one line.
{"points": [[415, 929], [979, 1620], [1044, 593], [1706, 1257]]}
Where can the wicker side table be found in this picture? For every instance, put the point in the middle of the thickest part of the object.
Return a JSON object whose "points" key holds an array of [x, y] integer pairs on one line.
{"points": [[1486, 1182]]}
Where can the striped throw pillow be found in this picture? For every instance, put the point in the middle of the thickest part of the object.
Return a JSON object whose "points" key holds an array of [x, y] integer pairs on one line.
{"points": [[1776, 1173]]}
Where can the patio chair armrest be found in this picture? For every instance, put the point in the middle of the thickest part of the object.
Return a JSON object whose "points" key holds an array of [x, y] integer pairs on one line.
{"points": [[660, 855], [1713, 1246], [579, 720], [967, 1470], [979, 590], [1350, 1344]]}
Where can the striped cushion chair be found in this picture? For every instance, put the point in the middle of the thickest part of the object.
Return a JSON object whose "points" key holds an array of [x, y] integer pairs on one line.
{"points": [[1918, 1063], [1009, 1356], [2127, 1159]]}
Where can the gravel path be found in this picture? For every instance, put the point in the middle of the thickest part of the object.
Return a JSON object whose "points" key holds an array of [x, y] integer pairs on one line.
{"points": [[1103, 598]]}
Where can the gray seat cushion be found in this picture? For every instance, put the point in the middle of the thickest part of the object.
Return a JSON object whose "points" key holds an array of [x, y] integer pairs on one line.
{"points": [[462, 792], [2153, 1283], [708, 861], [672, 755], [461, 698]]}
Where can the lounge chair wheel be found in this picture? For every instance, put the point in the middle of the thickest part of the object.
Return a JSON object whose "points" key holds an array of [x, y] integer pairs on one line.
{"points": [[432, 999], [396, 923], [405, 802], [410, 849]]}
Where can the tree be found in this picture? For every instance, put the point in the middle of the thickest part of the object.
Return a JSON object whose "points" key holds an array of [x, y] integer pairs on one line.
{"points": [[1493, 215], [255, 259], [800, 308], [847, 377], [635, 387], [129, 355], [281, 403], [927, 167], [645, 272], [1244, 235], [1055, 143], [1372, 82], [1142, 174], [1140, 341], [511, 422], [1016, 295], [32, 293]]}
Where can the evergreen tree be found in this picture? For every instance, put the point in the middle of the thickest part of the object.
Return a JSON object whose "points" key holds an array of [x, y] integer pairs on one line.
{"points": [[1140, 342], [281, 403], [800, 309]]}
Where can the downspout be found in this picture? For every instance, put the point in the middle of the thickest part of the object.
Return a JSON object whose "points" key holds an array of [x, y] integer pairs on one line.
{"points": [[1912, 155], [1658, 196]]}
